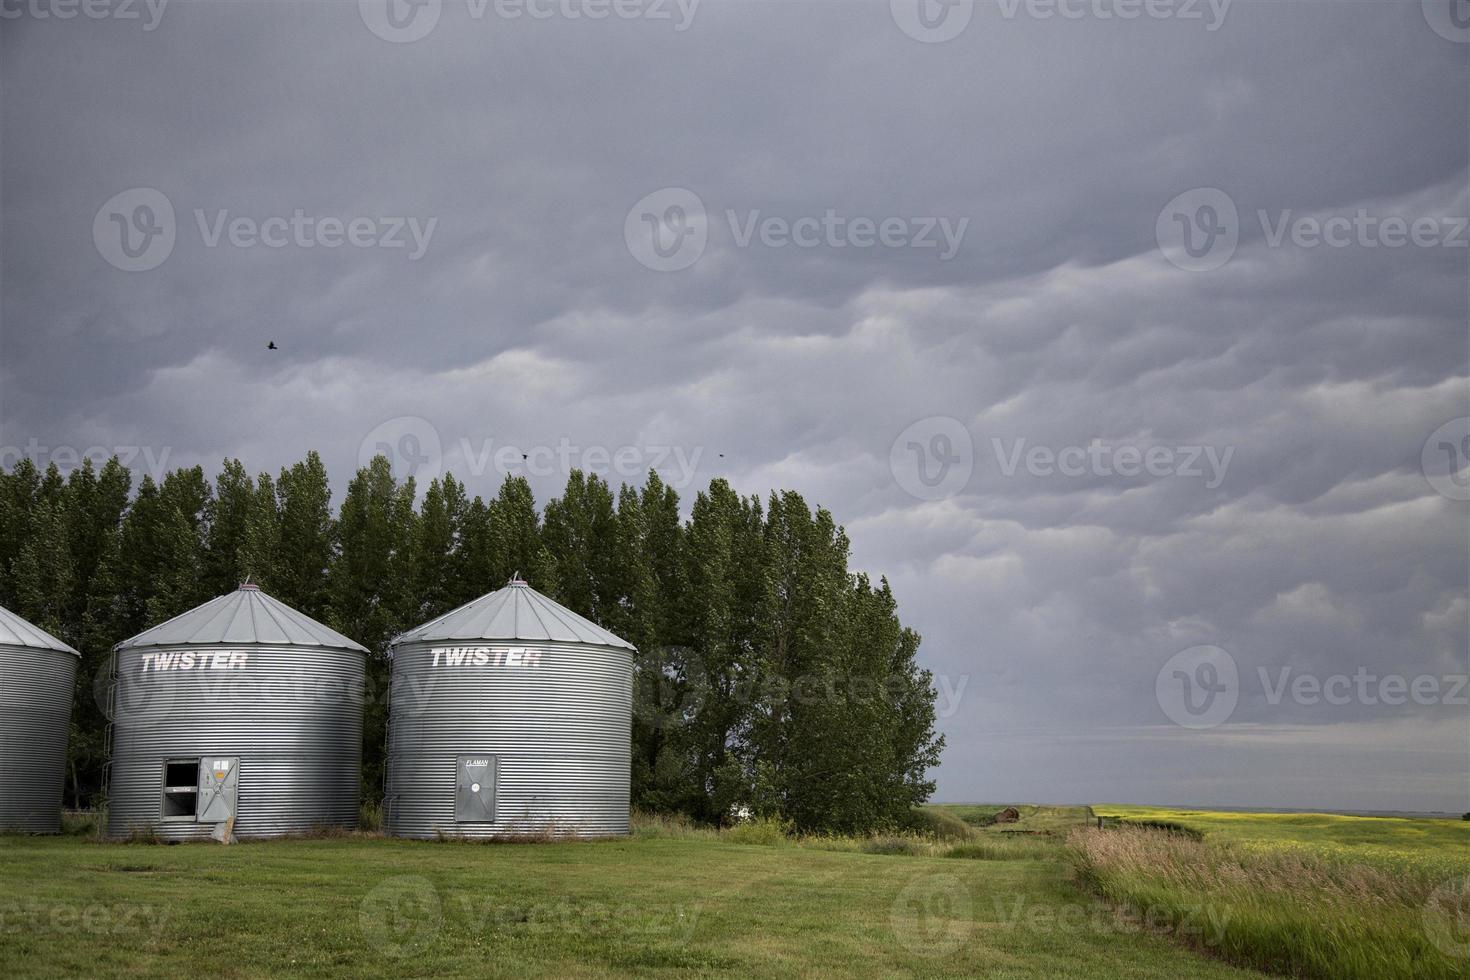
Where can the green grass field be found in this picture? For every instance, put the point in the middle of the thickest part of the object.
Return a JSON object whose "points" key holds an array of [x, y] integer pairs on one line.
{"points": [[671, 900], [1004, 901], [1317, 895], [1390, 839]]}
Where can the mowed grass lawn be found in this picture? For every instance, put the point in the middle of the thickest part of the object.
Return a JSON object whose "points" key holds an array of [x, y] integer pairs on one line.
{"points": [[697, 905]]}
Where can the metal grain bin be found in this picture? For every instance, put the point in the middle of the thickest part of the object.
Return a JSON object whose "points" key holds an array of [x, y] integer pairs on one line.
{"points": [[509, 717], [242, 716], [37, 674]]}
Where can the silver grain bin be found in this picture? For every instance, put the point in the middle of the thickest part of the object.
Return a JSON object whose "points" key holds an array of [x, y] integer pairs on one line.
{"points": [[242, 716], [37, 673], [509, 717]]}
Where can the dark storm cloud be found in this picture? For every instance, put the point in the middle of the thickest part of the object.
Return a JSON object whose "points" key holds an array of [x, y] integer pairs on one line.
{"points": [[526, 321]]}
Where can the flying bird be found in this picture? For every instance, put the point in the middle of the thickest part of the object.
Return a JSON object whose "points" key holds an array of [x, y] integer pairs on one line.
{"points": [[271, 346]]}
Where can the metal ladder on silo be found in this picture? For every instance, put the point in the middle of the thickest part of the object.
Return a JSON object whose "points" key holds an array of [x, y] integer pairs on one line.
{"points": [[110, 709]]}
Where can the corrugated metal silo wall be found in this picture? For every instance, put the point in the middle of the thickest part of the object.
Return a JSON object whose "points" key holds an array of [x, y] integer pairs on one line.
{"points": [[293, 717], [560, 732], [35, 717]]}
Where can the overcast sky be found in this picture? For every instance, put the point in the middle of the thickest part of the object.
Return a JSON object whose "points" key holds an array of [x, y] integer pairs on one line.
{"points": [[1109, 332]]}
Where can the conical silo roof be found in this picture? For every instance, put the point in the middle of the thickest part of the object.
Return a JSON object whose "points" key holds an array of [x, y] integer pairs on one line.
{"points": [[516, 612], [16, 632], [238, 618]]}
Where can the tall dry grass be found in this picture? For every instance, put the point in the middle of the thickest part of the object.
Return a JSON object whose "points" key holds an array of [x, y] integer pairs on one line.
{"points": [[1286, 910]]}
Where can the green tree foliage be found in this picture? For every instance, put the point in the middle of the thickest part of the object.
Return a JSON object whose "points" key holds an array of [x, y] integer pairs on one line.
{"points": [[229, 522], [18, 498], [160, 552], [650, 581], [515, 532], [180, 531], [43, 574], [260, 546], [306, 543], [478, 563], [768, 675], [58, 544], [578, 529], [372, 588], [724, 567], [440, 537]]}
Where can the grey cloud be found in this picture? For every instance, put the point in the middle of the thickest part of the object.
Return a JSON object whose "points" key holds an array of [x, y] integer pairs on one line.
{"points": [[528, 321]]}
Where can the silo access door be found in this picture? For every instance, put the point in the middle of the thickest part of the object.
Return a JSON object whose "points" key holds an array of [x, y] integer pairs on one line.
{"points": [[219, 780], [474, 798]]}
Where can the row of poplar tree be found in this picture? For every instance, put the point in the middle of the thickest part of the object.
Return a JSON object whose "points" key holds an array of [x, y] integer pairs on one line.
{"points": [[769, 676]]}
